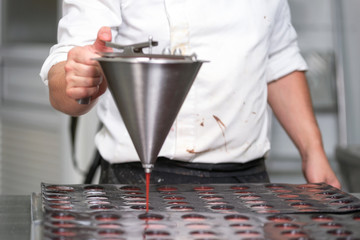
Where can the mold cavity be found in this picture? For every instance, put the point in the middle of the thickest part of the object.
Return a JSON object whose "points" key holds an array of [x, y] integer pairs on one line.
{"points": [[130, 188], [198, 226], [132, 193], [211, 198], [109, 225], [64, 232], [150, 217], [57, 196], [241, 226], [63, 207], [59, 202], [182, 208], [59, 188], [339, 232], [330, 225], [178, 203], [294, 233], [261, 206], [110, 232], [135, 202], [243, 192], [63, 216], [287, 226], [255, 202], [350, 207], [101, 207], [140, 207], [136, 198], [236, 218], [274, 186], [356, 217], [335, 197], [281, 190], [308, 185], [203, 188], [239, 187], [322, 218], [167, 189], [207, 193], [94, 187], [301, 205], [156, 233], [288, 196], [280, 218], [222, 207], [96, 198], [63, 224], [340, 202], [98, 202], [216, 202], [248, 233], [154, 226], [327, 193], [94, 192], [193, 217], [203, 234], [249, 197], [173, 198], [107, 217]]}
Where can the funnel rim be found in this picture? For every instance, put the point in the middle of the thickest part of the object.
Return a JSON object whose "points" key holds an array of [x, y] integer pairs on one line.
{"points": [[147, 60]]}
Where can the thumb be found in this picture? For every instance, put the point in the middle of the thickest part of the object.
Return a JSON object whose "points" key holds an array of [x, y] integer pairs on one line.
{"points": [[104, 35]]}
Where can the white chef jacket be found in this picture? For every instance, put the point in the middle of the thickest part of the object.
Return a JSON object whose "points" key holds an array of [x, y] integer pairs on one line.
{"points": [[224, 117]]}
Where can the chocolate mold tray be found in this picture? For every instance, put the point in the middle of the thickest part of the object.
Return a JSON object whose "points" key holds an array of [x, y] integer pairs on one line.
{"points": [[222, 198]]}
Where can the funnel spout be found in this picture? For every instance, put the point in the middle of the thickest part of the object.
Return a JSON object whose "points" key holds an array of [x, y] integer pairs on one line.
{"points": [[148, 167]]}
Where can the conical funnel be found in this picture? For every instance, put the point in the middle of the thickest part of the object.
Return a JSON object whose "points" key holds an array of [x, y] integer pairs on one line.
{"points": [[149, 92]]}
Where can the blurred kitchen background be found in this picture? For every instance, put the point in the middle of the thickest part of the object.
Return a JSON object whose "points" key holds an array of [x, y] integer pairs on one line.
{"points": [[35, 141]]}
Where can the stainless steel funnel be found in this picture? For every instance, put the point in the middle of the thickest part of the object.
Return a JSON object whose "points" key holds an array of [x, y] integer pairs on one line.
{"points": [[149, 90]]}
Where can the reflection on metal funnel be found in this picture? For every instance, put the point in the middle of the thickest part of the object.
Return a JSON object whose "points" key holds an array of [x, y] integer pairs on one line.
{"points": [[149, 92]]}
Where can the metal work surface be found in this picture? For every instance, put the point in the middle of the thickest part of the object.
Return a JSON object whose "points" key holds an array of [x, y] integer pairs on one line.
{"points": [[226, 211]]}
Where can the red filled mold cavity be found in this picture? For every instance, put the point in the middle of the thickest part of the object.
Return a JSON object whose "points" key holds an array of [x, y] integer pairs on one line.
{"points": [[274, 186], [288, 196], [249, 197], [57, 196], [60, 188], [294, 233], [308, 185], [236, 218], [173, 198], [63, 224], [63, 216], [239, 187], [280, 219], [248, 233], [282, 191], [356, 217], [167, 189], [330, 225], [64, 232], [211, 198], [350, 207], [341, 202], [130, 188], [339, 232], [193, 217], [322, 218], [63, 207], [198, 226], [150, 217], [59, 202], [110, 232], [203, 188], [107, 217]]}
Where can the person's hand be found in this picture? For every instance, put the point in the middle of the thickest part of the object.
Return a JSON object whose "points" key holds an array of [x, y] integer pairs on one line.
{"points": [[83, 75], [316, 169]]}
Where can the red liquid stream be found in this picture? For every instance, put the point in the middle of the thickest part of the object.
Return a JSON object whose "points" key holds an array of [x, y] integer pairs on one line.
{"points": [[147, 175]]}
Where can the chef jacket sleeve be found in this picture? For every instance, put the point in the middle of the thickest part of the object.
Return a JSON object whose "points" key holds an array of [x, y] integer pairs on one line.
{"points": [[78, 26], [284, 53]]}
